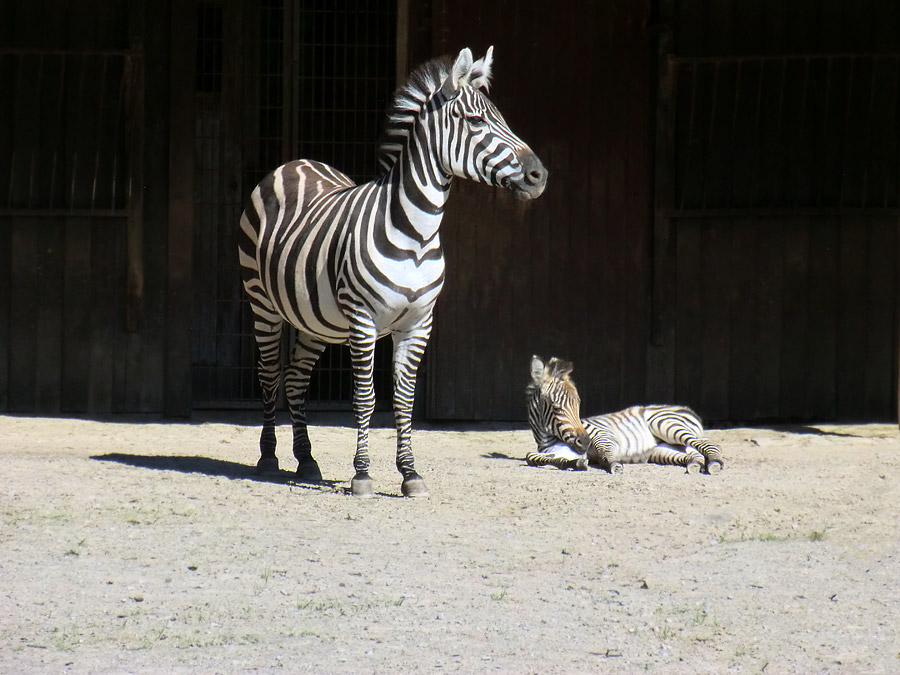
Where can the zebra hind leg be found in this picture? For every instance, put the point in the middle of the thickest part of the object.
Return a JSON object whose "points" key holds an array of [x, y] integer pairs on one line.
{"points": [[690, 459], [304, 356], [712, 454], [268, 340]]}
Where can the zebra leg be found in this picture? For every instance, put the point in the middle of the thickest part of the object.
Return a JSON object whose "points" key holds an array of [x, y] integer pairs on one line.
{"points": [[665, 454], [604, 452], [559, 455], [362, 354], [267, 331], [304, 356], [408, 350], [711, 453]]}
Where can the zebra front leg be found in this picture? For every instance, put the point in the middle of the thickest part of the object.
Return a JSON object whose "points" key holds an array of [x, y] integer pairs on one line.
{"points": [[268, 340], [304, 356], [559, 455], [362, 355], [408, 350]]}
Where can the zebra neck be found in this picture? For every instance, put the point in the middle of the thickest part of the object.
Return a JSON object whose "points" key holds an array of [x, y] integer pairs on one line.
{"points": [[419, 191]]}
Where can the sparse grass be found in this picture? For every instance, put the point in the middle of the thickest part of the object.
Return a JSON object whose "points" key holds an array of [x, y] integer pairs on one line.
{"points": [[334, 605], [500, 595], [743, 535]]}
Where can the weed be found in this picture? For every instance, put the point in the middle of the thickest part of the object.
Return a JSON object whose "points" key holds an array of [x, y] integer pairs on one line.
{"points": [[499, 595]]}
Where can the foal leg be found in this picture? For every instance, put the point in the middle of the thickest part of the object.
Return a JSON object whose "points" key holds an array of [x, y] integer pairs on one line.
{"points": [[667, 455]]}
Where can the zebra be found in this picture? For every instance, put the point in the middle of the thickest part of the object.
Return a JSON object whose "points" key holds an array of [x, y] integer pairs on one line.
{"points": [[657, 434], [347, 263]]}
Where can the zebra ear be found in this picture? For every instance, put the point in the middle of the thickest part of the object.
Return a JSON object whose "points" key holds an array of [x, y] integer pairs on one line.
{"points": [[560, 367], [537, 369], [459, 73], [481, 71]]}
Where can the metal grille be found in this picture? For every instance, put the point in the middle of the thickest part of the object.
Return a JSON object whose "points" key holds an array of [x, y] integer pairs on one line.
{"points": [[305, 79], [68, 122], [798, 133]]}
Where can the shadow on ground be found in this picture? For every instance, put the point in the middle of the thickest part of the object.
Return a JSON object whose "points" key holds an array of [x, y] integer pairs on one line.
{"points": [[211, 467]]}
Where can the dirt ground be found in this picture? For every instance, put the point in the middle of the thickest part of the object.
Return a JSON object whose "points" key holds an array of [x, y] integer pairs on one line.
{"points": [[149, 546]]}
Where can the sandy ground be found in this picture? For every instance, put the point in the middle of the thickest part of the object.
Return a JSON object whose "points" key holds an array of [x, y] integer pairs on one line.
{"points": [[141, 545]]}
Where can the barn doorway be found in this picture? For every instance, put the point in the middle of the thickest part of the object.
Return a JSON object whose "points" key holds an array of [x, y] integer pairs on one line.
{"points": [[277, 80]]}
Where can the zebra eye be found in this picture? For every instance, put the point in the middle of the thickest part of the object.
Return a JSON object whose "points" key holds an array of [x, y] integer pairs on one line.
{"points": [[475, 120]]}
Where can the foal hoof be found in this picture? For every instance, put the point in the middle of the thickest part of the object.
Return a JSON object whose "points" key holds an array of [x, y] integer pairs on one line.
{"points": [[581, 464], [616, 468], [308, 471], [713, 467], [267, 464], [693, 468], [362, 486], [414, 486]]}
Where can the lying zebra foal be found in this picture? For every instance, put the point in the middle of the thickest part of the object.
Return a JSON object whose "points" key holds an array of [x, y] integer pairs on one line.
{"points": [[657, 434]]}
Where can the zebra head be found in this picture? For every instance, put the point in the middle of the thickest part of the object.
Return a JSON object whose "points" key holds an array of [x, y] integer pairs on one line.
{"points": [[554, 407], [476, 141]]}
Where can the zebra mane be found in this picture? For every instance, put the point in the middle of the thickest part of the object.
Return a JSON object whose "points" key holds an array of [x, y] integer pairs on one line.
{"points": [[409, 99]]}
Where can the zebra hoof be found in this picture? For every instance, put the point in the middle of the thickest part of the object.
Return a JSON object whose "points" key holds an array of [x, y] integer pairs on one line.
{"points": [[581, 464], [414, 486], [615, 468], [362, 486], [693, 468], [713, 467], [308, 471], [267, 464]]}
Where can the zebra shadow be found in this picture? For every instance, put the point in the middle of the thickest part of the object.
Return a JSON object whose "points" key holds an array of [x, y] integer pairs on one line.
{"points": [[501, 455], [209, 466]]}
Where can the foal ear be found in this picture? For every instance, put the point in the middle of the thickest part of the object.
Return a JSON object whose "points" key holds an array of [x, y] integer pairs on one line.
{"points": [[459, 73], [537, 369], [480, 77], [560, 367]]}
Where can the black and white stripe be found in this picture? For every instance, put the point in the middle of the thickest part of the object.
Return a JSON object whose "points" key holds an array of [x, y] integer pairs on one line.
{"points": [[658, 434], [351, 263]]}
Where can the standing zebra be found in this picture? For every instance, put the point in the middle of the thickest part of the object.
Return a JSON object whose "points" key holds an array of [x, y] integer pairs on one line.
{"points": [[658, 434], [346, 263]]}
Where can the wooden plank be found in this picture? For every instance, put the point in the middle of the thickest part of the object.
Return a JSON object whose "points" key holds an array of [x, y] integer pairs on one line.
{"points": [[181, 205], [48, 319], [793, 399], [881, 309], [718, 305], [823, 309], [769, 288], [77, 309], [851, 319], [103, 314], [23, 322], [689, 281], [5, 304], [660, 350]]}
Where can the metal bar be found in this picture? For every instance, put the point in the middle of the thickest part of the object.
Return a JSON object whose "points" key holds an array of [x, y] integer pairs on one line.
{"points": [[59, 213], [778, 57], [781, 212], [99, 133], [36, 148], [690, 144], [60, 107]]}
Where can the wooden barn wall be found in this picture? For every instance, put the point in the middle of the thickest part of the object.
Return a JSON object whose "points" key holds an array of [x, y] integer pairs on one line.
{"points": [[563, 275], [784, 244], [64, 346]]}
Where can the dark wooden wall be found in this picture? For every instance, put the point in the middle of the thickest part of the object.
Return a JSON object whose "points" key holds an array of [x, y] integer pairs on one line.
{"points": [[64, 256], [722, 238], [564, 275], [784, 244]]}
